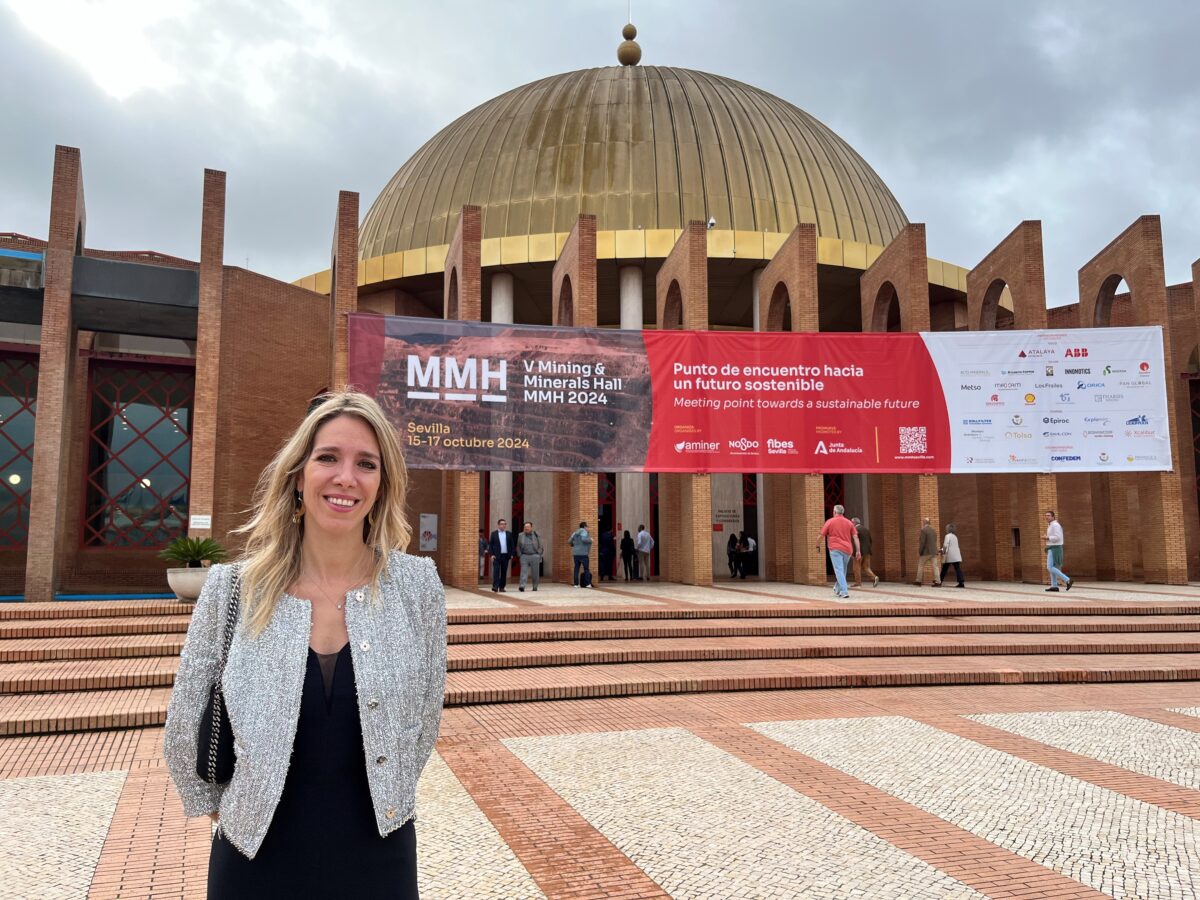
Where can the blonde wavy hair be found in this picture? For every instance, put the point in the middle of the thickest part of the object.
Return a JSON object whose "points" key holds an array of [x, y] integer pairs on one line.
{"points": [[271, 561]]}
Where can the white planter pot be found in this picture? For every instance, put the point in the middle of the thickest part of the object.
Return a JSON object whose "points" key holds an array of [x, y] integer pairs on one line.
{"points": [[187, 583]]}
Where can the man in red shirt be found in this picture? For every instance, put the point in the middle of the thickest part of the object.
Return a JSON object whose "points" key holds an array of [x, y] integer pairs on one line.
{"points": [[842, 538]]}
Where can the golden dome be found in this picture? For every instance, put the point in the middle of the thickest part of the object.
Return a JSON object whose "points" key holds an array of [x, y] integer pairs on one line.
{"points": [[638, 147]]}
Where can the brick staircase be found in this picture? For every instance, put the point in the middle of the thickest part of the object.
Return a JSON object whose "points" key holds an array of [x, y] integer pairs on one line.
{"points": [[105, 665]]}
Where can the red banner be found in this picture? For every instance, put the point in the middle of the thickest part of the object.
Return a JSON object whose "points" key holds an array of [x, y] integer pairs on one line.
{"points": [[470, 395]]}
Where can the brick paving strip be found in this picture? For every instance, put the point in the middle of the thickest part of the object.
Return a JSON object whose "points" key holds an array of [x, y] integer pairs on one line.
{"points": [[152, 849], [566, 856], [1176, 798], [1164, 717], [987, 868]]}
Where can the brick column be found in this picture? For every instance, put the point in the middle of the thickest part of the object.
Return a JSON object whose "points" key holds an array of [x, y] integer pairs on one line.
{"points": [[685, 500], [343, 293], [1016, 263], [573, 305], [52, 429], [458, 551], [202, 489], [900, 276], [891, 548], [788, 301], [1136, 255]]}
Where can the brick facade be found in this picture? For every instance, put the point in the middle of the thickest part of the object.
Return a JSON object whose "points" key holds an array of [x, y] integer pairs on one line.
{"points": [[685, 501], [344, 289], [573, 303]]}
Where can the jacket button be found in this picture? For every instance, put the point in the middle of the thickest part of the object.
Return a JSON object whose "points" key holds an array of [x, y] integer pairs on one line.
{"points": [[391, 812], [381, 760], [365, 646], [358, 595], [372, 703]]}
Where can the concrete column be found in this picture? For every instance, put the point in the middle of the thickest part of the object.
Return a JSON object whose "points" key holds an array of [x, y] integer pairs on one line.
{"points": [[539, 509], [501, 488], [633, 488]]}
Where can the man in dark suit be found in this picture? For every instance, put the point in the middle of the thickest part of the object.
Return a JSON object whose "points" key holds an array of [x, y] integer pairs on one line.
{"points": [[502, 546]]}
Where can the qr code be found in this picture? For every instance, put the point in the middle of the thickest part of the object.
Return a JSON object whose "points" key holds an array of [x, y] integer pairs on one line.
{"points": [[913, 440]]}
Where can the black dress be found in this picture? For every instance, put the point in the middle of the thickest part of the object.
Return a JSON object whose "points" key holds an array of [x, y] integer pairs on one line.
{"points": [[322, 841]]}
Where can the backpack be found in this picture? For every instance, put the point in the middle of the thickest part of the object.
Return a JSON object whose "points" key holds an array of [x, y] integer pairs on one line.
{"points": [[585, 579]]}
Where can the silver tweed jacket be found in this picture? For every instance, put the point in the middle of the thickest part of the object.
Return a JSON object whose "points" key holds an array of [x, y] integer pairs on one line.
{"points": [[398, 645]]}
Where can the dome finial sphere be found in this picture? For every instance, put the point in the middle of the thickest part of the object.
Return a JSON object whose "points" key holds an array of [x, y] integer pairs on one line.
{"points": [[629, 53]]}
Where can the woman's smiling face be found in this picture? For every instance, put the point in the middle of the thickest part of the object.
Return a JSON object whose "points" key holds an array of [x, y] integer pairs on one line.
{"points": [[341, 479]]}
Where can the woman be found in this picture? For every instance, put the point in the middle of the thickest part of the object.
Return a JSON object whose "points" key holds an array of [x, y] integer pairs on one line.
{"points": [[731, 554], [334, 678], [629, 556], [951, 556]]}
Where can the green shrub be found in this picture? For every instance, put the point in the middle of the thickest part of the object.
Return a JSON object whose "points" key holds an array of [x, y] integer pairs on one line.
{"points": [[191, 552]]}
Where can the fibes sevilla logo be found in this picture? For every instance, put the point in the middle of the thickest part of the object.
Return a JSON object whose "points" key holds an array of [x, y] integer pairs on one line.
{"points": [[445, 378]]}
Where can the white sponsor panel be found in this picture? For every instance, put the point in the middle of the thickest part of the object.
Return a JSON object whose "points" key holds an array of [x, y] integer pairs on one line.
{"points": [[1072, 400]]}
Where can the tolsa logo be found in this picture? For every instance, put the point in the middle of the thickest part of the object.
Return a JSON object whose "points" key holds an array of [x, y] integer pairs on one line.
{"points": [[445, 378], [1076, 353]]}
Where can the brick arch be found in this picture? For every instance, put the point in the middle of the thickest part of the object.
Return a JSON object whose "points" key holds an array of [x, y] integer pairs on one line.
{"points": [[1015, 263], [904, 265], [452, 294], [672, 317], [990, 308], [1102, 309], [779, 310], [566, 302], [886, 313]]}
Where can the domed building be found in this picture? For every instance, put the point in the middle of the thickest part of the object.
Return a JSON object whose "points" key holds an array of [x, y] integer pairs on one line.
{"points": [[141, 394]]}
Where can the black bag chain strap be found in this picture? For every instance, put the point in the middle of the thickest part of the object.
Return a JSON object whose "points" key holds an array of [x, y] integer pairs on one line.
{"points": [[218, 706]]}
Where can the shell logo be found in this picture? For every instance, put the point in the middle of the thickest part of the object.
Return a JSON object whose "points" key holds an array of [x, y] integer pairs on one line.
{"points": [[1031, 398]]}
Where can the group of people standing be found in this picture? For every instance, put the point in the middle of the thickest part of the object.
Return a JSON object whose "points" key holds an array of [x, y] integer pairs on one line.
{"points": [[530, 551], [849, 541], [742, 553]]}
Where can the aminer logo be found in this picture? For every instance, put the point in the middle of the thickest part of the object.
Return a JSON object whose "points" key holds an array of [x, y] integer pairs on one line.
{"points": [[445, 379], [696, 446]]}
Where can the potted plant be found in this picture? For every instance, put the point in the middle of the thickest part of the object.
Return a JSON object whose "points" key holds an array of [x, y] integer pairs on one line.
{"points": [[188, 580]]}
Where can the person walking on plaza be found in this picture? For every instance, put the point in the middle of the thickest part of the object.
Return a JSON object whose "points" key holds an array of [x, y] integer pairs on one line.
{"points": [[951, 556], [529, 553], [328, 644], [628, 557], [581, 546], [1054, 553], [608, 554], [731, 553], [502, 547], [839, 533], [863, 564], [927, 552], [644, 544], [483, 549]]}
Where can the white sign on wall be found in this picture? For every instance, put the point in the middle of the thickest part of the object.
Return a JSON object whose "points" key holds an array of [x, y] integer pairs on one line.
{"points": [[428, 532], [1075, 400]]}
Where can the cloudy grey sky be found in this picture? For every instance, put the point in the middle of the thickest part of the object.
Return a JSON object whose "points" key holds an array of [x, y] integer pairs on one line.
{"points": [[1081, 113]]}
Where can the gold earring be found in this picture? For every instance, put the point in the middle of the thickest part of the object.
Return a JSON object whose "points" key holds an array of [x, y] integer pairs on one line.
{"points": [[299, 513]]}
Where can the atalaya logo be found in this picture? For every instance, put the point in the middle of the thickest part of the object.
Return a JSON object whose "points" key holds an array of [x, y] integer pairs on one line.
{"points": [[696, 446]]}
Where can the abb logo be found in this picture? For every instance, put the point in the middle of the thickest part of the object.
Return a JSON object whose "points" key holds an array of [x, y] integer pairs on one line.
{"points": [[1076, 352]]}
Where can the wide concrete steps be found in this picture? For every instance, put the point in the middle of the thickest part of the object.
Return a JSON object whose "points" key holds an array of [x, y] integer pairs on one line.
{"points": [[93, 626], [135, 707], [159, 671]]}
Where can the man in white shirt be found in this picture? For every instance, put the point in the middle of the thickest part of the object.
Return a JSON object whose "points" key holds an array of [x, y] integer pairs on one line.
{"points": [[643, 544], [502, 547], [1054, 554]]}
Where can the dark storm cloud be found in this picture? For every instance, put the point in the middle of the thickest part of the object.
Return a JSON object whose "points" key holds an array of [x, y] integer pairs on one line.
{"points": [[1082, 114]]}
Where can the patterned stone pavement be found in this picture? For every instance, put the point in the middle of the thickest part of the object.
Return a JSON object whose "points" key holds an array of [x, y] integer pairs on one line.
{"points": [[1003, 791], [1111, 842]]}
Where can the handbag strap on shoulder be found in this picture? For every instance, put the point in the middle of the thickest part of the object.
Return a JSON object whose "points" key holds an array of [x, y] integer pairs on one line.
{"points": [[231, 615]]}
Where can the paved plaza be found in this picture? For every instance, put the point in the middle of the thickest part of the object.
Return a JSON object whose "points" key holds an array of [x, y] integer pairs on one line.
{"points": [[948, 790]]}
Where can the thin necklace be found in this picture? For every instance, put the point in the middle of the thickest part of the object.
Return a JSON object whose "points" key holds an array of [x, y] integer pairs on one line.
{"points": [[337, 604]]}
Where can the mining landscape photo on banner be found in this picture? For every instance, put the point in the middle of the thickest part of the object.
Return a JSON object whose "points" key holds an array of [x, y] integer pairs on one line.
{"points": [[483, 396]]}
